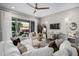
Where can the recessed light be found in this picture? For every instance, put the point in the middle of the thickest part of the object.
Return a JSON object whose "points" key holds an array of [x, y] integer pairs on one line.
{"points": [[13, 7], [46, 22], [67, 20]]}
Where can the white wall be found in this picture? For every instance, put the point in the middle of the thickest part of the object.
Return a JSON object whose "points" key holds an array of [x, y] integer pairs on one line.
{"points": [[72, 15], [6, 18]]}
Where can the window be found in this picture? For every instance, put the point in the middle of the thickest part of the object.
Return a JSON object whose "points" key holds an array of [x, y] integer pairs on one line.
{"points": [[20, 26]]}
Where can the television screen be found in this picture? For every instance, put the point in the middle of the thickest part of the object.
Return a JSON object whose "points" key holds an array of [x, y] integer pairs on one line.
{"points": [[55, 26]]}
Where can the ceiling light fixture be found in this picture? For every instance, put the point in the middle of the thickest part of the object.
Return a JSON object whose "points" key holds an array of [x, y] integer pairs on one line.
{"points": [[13, 7]]}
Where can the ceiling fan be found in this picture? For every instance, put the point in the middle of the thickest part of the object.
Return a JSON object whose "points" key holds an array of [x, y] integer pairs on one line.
{"points": [[37, 8]]}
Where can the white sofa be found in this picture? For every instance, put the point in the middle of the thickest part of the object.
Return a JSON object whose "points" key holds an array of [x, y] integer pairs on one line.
{"points": [[66, 50], [8, 49], [45, 51], [63, 52], [11, 50]]}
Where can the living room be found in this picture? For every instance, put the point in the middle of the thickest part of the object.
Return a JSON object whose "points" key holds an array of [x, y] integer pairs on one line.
{"points": [[39, 26]]}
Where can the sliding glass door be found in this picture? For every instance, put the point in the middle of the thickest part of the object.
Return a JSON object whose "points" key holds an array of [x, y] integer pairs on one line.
{"points": [[0, 31], [20, 27]]}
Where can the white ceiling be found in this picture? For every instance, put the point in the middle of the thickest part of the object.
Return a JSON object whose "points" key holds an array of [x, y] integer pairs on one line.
{"points": [[24, 8]]}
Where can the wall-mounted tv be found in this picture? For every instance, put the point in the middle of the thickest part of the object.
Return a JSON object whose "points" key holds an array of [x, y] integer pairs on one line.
{"points": [[55, 26]]}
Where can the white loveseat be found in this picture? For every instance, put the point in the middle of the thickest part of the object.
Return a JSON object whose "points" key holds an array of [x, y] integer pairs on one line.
{"points": [[8, 49], [66, 50]]}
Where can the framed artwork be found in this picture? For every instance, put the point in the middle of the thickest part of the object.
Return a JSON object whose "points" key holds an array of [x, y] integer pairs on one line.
{"points": [[55, 26]]}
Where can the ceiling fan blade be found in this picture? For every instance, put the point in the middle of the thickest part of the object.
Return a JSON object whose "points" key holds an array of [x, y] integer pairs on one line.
{"points": [[44, 8], [30, 5], [36, 5], [34, 11]]}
